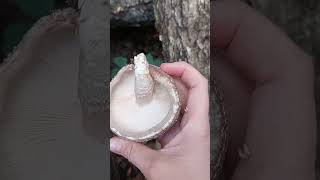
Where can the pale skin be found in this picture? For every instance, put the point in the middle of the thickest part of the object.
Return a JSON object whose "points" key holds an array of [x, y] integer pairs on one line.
{"points": [[267, 82]]}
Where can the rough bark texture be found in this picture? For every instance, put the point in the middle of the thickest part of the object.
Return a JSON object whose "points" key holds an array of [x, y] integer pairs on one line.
{"points": [[128, 13], [184, 27], [94, 65], [131, 12]]}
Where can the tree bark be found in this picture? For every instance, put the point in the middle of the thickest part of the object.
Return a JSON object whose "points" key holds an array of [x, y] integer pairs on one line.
{"points": [[131, 13], [184, 27]]}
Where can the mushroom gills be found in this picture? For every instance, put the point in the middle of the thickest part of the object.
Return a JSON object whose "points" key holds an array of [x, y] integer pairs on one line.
{"points": [[130, 115], [144, 101]]}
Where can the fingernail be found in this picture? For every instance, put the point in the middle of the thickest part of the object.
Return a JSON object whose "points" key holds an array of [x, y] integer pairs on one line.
{"points": [[115, 145]]}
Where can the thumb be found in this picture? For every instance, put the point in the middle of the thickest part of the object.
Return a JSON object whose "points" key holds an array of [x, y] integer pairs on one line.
{"points": [[138, 154]]}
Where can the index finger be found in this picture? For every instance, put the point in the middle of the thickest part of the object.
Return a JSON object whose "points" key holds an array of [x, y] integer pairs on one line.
{"points": [[198, 93]]}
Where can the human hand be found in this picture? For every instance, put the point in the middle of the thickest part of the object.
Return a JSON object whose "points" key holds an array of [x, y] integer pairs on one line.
{"points": [[185, 152], [267, 82]]}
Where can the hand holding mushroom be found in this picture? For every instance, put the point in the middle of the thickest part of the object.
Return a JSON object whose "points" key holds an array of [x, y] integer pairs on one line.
{"points": [[182, 145], [150, 99]]}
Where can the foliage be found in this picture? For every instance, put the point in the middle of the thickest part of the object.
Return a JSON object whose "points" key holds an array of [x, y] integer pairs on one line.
{"points": [[153, 61], [120, 61]]}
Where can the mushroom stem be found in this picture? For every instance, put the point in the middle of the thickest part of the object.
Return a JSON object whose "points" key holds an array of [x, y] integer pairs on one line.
{"points": [[144, 83]]}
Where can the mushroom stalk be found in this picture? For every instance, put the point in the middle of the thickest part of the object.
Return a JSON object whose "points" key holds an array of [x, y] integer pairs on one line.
{"points": [[144, 83]]}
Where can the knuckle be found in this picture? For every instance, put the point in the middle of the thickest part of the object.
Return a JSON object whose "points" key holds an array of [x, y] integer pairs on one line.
{"points": [[188, 67]]}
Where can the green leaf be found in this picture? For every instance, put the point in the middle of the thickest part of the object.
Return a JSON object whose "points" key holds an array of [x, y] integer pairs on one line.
{"points": [[157, 62], [149, 58], [36, 8], [120, 61], [13, 34], [152, 60], [114, 72]]}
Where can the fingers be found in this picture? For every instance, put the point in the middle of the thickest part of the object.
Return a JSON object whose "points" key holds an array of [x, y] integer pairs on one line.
{"points": [[189, 75], [253, 44], [197, 109], [139, 155]]}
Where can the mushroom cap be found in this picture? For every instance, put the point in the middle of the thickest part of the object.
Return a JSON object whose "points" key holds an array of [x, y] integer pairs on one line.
{"points": [[142, 122]]}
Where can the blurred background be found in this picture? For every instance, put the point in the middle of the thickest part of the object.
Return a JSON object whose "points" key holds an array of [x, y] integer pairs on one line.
{"points": [[17, 16], [132, 33], [301, 21]]}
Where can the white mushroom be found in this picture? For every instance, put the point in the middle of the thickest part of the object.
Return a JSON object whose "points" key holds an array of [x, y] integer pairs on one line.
{"points": [[144, 101], [144, 84]]}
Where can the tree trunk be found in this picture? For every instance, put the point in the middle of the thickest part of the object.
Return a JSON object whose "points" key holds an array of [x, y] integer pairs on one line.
{"points": [[128, 13], [184, 27], [131, 13]]}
